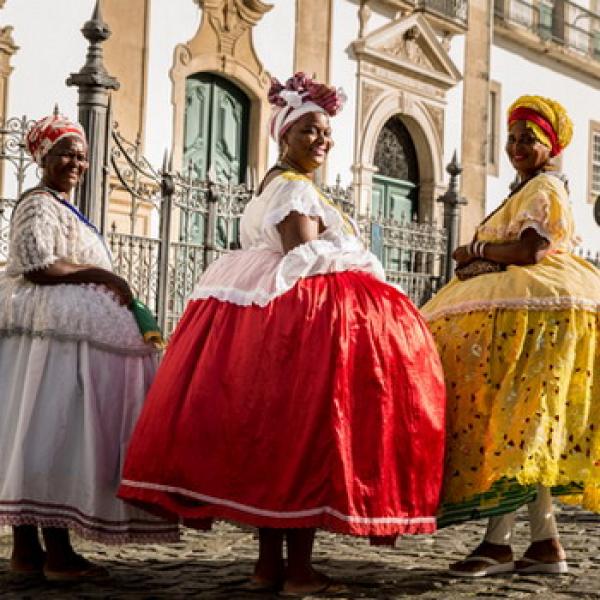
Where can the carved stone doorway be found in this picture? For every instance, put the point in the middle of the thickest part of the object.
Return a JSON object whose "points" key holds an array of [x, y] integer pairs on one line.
{"points": [[396, 183]]}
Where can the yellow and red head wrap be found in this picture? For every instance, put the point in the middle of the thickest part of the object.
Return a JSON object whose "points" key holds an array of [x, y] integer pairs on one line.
{"points": [[547, 119], [46, 132]]}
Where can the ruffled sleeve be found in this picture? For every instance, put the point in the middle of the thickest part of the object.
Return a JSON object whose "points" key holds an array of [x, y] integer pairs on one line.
{"points": [[544, 206], [36, 238], [293, 193]]}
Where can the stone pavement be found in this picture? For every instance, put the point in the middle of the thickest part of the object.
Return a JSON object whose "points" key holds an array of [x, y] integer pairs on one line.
{"points": [[215, 565]]}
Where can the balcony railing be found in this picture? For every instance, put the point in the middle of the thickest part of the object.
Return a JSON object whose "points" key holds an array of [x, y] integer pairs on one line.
{"points": [[454, 10], [561, 21]]}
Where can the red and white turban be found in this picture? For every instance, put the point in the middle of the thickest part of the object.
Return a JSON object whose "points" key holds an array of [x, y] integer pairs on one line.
{"points": [[47, 132], [299, 96]]}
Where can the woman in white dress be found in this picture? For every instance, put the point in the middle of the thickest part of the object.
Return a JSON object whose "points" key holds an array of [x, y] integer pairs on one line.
{"points": [[74, 370]]}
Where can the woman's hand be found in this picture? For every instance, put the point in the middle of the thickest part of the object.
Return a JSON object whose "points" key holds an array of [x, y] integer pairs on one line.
{"points": [[118, 286], [463, 256], [63, 271]]}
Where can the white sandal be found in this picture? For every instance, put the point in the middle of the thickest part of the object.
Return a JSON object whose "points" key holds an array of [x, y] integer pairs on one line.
{"points": [[559, 567], [493, 567]]}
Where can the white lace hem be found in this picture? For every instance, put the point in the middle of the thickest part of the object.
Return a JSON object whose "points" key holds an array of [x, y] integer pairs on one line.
{"points": [[88, 528], [258, 276], [551, 303]]}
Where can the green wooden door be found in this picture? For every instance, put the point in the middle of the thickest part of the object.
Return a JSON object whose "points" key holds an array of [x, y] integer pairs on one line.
{"points": [[216, 128], [393, 200], [215, 143]]}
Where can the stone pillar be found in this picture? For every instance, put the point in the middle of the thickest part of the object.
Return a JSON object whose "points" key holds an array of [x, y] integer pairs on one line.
{"points": [[476, 89], [126, 58], [93, 83], [7, 49], [312, 45]]}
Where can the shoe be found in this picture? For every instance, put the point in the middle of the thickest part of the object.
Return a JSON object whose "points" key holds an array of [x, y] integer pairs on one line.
{"points": [[530, 565], [492, 567]]}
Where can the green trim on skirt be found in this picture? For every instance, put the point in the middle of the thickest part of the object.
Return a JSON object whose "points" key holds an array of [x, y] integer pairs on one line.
{"points": [[505, 496]]}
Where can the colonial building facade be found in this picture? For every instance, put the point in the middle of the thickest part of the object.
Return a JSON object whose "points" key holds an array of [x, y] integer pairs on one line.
{"points": [[424, 78]]}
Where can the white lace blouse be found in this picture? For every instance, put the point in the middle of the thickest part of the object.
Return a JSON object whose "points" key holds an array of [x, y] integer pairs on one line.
{"points": [[261, 271], [43, 231]]}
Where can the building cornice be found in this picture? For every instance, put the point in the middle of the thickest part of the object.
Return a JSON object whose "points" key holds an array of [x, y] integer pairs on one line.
{"points": [[567, 57]]}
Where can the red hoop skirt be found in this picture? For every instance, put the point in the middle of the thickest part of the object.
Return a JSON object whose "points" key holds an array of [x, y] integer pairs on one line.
{"points": [[323, 409]]}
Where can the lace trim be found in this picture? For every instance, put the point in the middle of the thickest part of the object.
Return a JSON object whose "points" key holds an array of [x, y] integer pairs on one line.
{"points": [[141, 350], [149, 536], [301, 204], [254, 510], [556, 303], [235, 296]]}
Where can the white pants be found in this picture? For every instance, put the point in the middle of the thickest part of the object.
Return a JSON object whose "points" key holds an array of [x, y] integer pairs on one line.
{"points": [[542, 523]]}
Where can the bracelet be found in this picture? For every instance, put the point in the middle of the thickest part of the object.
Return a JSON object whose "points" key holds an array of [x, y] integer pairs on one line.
{"points": [[477, 248]]}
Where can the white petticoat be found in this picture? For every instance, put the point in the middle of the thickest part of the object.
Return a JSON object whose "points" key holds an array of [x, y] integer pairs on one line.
{"points": [[69, 312], [258, 275], [67, 411]]}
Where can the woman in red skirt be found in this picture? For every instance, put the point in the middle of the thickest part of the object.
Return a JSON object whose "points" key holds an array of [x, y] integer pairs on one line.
{"points": [[299, 391]]}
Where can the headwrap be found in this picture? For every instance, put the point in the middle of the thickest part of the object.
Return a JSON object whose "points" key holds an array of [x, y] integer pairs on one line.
{"points": [[46, 132], [546, 118], [299, 96]]}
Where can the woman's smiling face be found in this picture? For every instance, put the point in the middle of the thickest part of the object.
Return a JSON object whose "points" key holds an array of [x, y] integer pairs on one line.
{"points": [[525, 152], [308, 141]]}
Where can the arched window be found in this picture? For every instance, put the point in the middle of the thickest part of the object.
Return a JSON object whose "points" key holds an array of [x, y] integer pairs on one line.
{"points": [[396, 183], [216, 128]]}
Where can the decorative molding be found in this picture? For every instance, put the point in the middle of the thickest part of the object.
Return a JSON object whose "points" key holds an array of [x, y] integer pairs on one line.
{"points": [[364, 14], [437, 116], [405, 71], [369, 95], [409, 47]]}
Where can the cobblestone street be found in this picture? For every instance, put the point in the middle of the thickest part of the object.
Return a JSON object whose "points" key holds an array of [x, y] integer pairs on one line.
{"points": [[215, 565]]}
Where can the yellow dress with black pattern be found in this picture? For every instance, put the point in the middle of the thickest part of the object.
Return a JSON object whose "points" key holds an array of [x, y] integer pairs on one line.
{"points": [[521, 357]]}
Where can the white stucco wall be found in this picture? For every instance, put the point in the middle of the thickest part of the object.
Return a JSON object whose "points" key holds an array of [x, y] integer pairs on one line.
{"points": [[343, 74], [51, 47], [454, 109], [518, 75], [168, 28], [274, 44]]}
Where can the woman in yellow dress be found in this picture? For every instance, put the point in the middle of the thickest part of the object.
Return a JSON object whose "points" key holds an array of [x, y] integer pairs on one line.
{"points": [[518, 331]]}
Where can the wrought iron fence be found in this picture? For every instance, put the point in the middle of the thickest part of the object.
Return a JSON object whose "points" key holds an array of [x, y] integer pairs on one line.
{"points": [[15, 168], [589, 255], [192, 222], [563, 22]]}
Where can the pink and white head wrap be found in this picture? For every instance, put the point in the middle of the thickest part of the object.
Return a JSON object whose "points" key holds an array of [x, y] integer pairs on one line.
{"points": [[47, 132], [299, 96]]}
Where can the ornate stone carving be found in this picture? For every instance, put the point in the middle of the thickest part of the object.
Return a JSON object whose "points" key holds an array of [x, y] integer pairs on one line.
{"points": [[407, 46], [7, 49], [369, 94], [364, 14], [437, 116], [231, 19]]}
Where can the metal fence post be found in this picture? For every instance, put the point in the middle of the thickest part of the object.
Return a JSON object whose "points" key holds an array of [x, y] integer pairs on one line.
{"points": [[167, 190], [210, 243], [451, 201], [93, 83]]}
